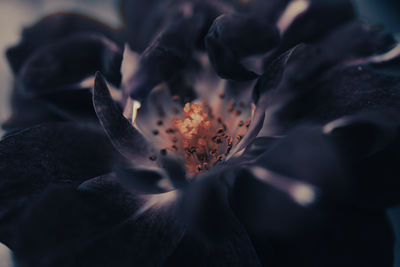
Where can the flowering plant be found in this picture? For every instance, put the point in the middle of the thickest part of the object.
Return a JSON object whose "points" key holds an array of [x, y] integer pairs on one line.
{"points": [[203, 133]]}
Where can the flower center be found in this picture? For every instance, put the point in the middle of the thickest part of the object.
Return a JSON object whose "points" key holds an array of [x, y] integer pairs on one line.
{"points": [[205, 138]]}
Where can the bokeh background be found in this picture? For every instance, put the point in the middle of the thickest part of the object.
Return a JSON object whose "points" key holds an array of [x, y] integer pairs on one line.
{"points": [[17, 14]]}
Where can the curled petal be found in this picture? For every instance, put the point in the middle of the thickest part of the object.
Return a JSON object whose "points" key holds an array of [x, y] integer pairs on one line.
{"points": [[318, 18], [123, 135], [69, 61], [228, 42], [52, 29], [370, 143]]}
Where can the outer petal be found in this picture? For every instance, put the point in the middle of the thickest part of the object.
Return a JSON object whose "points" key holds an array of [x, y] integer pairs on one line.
{"points": [[370, 143], [50, 83], [68, 61], [229, 39], [143, 21], [31, 160], [316, 86], [173, 49], [321, 17], [101, 225], [52, 29], [288, 234], [214, 237]]}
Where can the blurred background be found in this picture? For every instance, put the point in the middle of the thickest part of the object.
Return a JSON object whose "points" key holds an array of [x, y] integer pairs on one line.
{"points": [[17, 14]]}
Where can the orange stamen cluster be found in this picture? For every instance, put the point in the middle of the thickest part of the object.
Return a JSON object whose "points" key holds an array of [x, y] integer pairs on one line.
{"points": [[205, 140]]}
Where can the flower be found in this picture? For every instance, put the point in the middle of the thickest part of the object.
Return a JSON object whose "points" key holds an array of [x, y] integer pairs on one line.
{"points": [[266, 152]]}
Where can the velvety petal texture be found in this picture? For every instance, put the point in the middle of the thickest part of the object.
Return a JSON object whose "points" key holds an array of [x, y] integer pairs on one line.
{"points": [[31, 162]]}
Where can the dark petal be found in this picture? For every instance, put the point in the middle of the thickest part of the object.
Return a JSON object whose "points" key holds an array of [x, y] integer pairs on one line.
{"points": [[165, 57], [145, 239], [31, 160], [348, 42], [235, 250], [142, 181], [123, 135], [112, 190], [317, 85], [229, 39], [313, 160], [266, 83], [49, 85], [175, 169], [340, 93], [172, 51], [27, 111], [255, 127], [142, 19], [272, 75], [102, 224], [57, 66], [214, 236], [267, 10], [365, 134], [61, 224], [257, 147], [371, 143], [52, 29], [73, 104], [321, 17], [288, 234]]}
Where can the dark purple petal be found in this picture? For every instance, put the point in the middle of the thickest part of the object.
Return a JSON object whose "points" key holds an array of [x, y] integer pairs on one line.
{"points": [[285, 233], [31, 160], [267, 10], [235, 250], [370, 143], [111, 190], [214, 236], [60, 226], [165, 57], [101, 225], [52, 29], [321, 17], [341, 92], [142, 181], [171, 52], [27, 111], [74, 104], [48, 86], [123, 135], [257, 147], [144, 20], [147, 238], [313, 160], [57, 66], [317, 85], [235, 36]]}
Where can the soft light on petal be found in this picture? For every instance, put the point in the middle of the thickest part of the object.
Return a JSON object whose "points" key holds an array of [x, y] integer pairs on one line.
{"points": [[302, 193], [293, 10]]}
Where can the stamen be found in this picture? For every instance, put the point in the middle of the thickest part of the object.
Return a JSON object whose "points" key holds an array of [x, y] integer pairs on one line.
{"points": [[205, 139], [136, 105]]}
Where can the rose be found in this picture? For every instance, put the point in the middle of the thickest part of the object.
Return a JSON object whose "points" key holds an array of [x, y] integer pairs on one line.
{"points": [[278, 197]]}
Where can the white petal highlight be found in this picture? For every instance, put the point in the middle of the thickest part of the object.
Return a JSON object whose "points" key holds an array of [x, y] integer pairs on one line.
{"points": [[302, 193]]}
